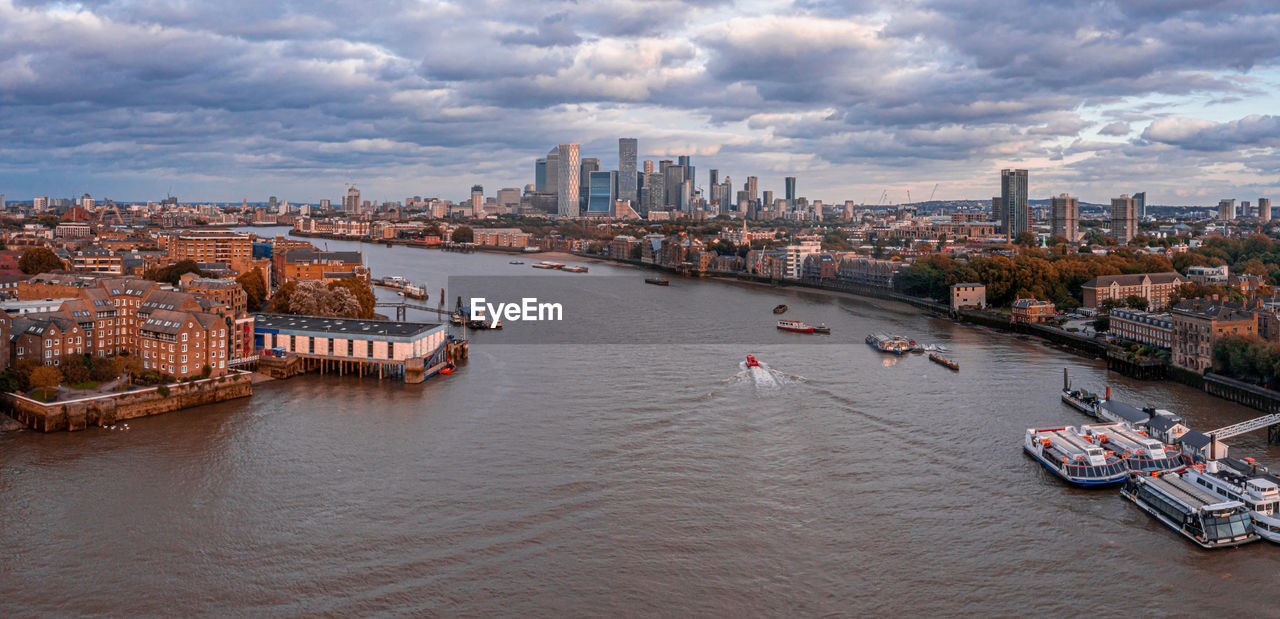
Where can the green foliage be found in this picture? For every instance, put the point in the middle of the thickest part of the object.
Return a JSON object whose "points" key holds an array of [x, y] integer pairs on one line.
{"points": [[463, 234], [40, 260], [1136, 302], [1247, 357], [163, 390]]}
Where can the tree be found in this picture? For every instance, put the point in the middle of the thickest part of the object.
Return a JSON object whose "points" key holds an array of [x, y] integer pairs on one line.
{"points": [[280, 300], [1134, 301], [173, 273], [361, 290], [40, 260], [45, 378], [104, 368], [75, 370], [313, 298], [464, 234], [255, 288]]}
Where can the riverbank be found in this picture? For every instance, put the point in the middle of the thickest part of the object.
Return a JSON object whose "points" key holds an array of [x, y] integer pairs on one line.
{"points": [[106, 410]]}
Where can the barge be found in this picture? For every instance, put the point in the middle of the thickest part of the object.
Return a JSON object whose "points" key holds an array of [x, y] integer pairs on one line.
{"points": [[944, 362]]}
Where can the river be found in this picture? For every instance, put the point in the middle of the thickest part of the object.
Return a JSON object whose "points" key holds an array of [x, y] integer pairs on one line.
{"points": [[630, 474]]}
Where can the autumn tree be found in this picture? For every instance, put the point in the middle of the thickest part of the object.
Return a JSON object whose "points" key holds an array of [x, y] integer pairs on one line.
{"points": [[313, 298], [75, 369], [40, 260], [45, 378], [172, 273], [255, 288], [464, 234], [362, 292]]}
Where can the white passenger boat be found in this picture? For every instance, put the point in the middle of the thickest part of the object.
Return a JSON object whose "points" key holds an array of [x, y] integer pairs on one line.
{"points": [[1209, 520], [884, 342], [1141, 453], [1063, 452], [1260, 495]]}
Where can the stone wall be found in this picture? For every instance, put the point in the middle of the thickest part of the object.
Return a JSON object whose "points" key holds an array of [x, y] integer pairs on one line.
{"points": [[109, 409]]}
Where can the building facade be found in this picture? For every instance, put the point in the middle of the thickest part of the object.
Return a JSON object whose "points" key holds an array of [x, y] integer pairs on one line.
{"points": [[1198, 324], [968, 296], [1065, 217], [1154, 287], [1124, 218], [567, 190], [1015, 209], [1142, 327]]}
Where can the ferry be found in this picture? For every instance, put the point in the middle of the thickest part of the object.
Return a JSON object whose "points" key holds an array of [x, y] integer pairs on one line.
{"points": [[575, 269], [943, 361], [1064, 453], [1209, 520], [548, 265], [895, 344], [751, 362], [780, 309], [1141, 453], [1260, 495], [795, 326], [657, 282]]}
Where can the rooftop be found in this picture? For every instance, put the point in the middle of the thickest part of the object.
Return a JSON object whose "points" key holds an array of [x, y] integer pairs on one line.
{"points": [[322, 324]]}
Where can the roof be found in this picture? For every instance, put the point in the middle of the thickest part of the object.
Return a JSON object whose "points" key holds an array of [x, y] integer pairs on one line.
{"points": [[1195, 439], [164, 321], [351, 326], [1127, 412], [966, 284], [1163, 423], [1135, 279]]}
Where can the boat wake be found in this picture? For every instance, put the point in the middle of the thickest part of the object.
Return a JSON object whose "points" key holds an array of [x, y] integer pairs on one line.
{"points": [[763, 377]]}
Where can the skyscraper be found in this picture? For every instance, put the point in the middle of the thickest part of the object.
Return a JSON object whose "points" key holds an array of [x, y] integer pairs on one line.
{"points": [[1124, 218], [627, 179], [567, 182], [791, 191], [654, 193], [674, 177], [1141, 198], [1013, 196], [715, 177], [1264, 209], [351, 201], [689, 172], [1066, 217], [477, 200], [553, 171], [997, 212], [540, 174], [752, 187], [589, 165], [601, 192], [1226, 210]]}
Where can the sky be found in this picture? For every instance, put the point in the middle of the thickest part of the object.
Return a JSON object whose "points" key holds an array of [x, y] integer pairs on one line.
{"points": [[859, 99]]}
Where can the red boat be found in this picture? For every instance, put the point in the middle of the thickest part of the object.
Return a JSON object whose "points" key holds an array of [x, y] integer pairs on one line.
{"points": [[794, 326], [751, 362]]}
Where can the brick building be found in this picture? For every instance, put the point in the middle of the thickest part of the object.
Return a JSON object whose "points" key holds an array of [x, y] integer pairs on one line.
{"points": [[1198, 324], [1154, 287]]}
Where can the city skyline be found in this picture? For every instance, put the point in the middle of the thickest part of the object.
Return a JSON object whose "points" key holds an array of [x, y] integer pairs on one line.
{"points": [[135, 101]]}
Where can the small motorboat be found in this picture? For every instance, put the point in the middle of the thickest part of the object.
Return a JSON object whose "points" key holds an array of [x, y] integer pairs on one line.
{"points": [[780, 309], [516, 262], [656, 282], [751, 362], [456, 318], [823, 329]]}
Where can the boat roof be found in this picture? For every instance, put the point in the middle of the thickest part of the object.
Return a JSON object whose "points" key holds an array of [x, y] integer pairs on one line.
{"points": [[1182, 490], [1127, 412]]}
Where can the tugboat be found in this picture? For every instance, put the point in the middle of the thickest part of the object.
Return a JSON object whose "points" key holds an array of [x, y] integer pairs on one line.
{"points": [[780, 309], [794, 326], [751, 362], [656, 282]]}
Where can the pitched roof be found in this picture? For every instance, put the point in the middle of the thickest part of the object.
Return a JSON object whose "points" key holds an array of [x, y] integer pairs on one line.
{"points": [[1135, 279]]}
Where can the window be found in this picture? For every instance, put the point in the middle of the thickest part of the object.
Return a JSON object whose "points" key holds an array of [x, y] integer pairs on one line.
{"points": [[184, 337]]}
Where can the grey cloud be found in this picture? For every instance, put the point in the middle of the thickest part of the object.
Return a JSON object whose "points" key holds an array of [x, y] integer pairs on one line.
{"points": [[1115, 129]]}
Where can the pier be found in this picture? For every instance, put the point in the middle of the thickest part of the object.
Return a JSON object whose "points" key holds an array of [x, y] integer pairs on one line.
{"points": [[408, 351]]}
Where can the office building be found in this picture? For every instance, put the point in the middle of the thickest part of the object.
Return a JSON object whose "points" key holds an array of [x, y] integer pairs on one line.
{"points": [[715, 177], [997, 212], [790, 191], [588, 165], [752, 186], [628, 182], [477, 200], [540, 174], [601, 192], [674, 176], [1013, 196], [1065, 213], [509, 197], [1140, 199], [648, 166], [351, 201], [1226, 210], [689, 173], [567, 194], [1264, 209], [1124, 218]]}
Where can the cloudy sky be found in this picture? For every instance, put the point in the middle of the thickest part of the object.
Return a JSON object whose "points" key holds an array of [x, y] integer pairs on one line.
{"points": [[243, 99]]}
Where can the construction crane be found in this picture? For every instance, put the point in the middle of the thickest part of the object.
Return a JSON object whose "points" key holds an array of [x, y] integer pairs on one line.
{"points": [[935, 190], [908, 196], [883, 196]]}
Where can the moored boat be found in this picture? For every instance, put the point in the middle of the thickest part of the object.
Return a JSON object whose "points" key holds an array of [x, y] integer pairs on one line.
{"points": [[516, 262], [656, 281], [1260, 495], [883, 342], [779, 309], [548, 265], [823, 329], [1209, 520], [943, 361], [1082, 401], [575, 269], [794, 326], [1140, 453], [1064, 453]]}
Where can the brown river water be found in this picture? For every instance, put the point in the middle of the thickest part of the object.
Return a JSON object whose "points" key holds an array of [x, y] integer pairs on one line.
{"points": [[628, 475]]}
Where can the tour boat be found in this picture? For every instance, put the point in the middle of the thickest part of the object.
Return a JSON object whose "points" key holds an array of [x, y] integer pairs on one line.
{"points": [[795, 326], [895, 344], [1141, 453], [1204, 517], [1064, 453], [1260, 495], [943, 361], [656, 282], [780, 309], [751, 362]]}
